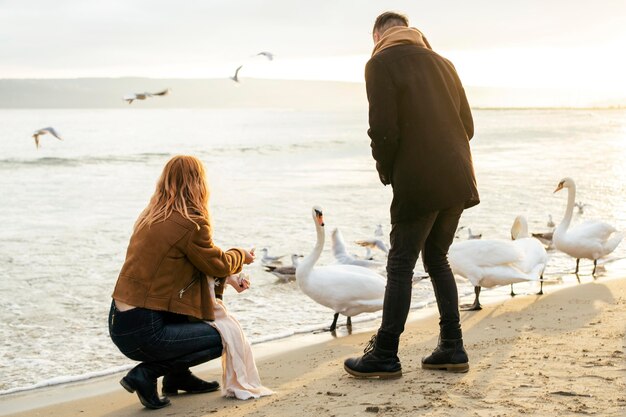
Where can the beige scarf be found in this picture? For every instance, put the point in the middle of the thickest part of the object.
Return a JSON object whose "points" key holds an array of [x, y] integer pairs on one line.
{"points": [[240, 377], [400, 35]]}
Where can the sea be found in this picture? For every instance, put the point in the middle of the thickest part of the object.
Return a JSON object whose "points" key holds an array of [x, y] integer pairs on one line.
{"points": [[68, 210]]}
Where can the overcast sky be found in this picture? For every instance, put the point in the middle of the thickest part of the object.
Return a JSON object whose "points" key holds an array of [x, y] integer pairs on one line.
{"points": [[511, 43]]}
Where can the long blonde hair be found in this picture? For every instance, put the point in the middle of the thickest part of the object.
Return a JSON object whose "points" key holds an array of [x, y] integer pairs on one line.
{"points": [[182, 187]]}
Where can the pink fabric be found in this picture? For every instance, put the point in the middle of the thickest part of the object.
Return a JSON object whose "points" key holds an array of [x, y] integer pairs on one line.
{"points": [[240, 377]]}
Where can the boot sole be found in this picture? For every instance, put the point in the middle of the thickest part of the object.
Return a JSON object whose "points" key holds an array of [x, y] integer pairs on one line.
{"points": [[450, 367], [380, 375]]}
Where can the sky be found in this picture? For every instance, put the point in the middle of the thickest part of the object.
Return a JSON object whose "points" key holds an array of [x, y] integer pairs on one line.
{"points": [[515, 43]]}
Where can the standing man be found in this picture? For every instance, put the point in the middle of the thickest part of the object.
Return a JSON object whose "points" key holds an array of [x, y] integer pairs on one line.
{"points": [[420, 127]]}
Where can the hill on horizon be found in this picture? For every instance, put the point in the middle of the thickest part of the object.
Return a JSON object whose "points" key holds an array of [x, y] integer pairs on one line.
{"points": [[250, 93]]}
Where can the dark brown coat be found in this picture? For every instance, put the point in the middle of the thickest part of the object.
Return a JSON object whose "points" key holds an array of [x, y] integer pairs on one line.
{"points": [[420, 127], [167, 264]]}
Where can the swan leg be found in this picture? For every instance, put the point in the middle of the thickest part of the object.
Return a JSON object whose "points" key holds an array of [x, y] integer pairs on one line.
{"points": [[541, 285], [577, 262], [476, 304], [512, 292], [349, 322], [334, 325], [595, 265]]}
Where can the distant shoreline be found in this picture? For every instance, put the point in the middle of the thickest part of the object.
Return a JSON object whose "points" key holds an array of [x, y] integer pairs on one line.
{"points": [[263, 93]]}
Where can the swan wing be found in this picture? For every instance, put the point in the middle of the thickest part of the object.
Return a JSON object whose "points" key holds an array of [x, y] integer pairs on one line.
{"points": [[590, 240], [483, 261], [495, 276], [340, 286], [534, 258], [591, 229], [484, 253]]}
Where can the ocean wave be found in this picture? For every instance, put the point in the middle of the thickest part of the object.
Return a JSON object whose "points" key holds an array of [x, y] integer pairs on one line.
{"points": [[68, 379], [83, 160]]}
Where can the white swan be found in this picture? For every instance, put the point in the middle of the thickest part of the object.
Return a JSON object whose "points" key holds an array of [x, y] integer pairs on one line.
{"points": [[343, 257], [492, 263], [346, 289], [590, 239]]}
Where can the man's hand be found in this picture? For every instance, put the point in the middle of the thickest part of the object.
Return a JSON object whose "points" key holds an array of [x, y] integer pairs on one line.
{"points": [[382, 175]]}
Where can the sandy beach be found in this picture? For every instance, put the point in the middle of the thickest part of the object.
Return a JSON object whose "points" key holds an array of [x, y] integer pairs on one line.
{"points": [[562, 353]]}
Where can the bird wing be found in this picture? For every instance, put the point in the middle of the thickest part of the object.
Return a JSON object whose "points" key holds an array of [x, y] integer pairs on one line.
{"points": [[534, 258], [338, 286], [52, 132], [591, 229], [268, 55], [366, 243], [477, 260], [162, 93]]}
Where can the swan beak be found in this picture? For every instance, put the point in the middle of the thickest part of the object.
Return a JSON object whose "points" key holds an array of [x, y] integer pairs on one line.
{"points": [[320, 220], [558, 188]]}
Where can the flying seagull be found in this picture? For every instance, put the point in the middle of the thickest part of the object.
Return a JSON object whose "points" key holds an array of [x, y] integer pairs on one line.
{"points": [[142, 96], [266, 54], [235, 77], [44, 131]]}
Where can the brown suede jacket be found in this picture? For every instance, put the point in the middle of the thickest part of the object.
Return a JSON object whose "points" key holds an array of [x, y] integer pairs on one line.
{"points": [[167, 264]]}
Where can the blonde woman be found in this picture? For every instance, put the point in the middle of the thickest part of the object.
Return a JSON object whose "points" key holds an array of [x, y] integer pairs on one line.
{"points": [[162, 299]]}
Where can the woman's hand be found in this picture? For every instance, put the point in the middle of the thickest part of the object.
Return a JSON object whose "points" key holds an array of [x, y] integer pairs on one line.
{"points": [[249, 256], [239, 282]]}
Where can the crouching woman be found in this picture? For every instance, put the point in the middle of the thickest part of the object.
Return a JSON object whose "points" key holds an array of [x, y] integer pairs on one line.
{"points": [[162, 288]]}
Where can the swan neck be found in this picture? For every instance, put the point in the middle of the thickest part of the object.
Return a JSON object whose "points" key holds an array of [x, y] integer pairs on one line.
{"points": [[571, 200], [306, 265]]}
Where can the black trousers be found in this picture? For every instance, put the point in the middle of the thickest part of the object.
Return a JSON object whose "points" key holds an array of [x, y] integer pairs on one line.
{"points": [[432, 234]]}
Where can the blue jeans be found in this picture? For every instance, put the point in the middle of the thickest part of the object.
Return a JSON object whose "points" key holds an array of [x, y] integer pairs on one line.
{"points": [[165, 343], [432, 234]]}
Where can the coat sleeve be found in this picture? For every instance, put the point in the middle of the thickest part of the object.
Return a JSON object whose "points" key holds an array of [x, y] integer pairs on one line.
{"points": [[210, 259], [466, 113], [383, 118]]}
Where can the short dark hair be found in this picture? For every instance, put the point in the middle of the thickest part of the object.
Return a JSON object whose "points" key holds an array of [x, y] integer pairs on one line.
{"points": [[388, 20]]}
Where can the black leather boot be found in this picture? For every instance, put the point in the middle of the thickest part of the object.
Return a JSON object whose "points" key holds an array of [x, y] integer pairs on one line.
{"points": [[449, 355], [375, 363], [186, 381], [140, 379]]}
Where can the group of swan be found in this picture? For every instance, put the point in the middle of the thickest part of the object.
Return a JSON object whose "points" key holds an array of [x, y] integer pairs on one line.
{"points": [[351, 287]]}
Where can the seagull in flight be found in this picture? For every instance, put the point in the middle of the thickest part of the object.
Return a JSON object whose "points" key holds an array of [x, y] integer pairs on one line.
{"points": [[142, 96], [44, 131], [235, 77], [266, 54]]}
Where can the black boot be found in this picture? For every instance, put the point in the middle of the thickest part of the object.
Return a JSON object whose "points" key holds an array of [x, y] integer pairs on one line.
{"points": [[449, 355], [140, 379], [186, 381], [376, 362]]}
